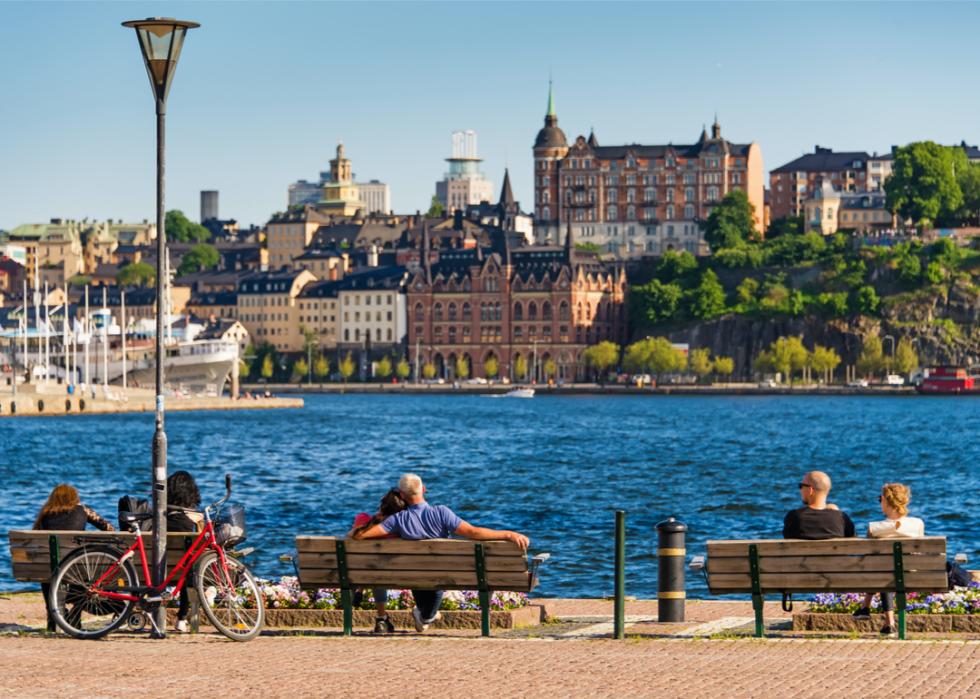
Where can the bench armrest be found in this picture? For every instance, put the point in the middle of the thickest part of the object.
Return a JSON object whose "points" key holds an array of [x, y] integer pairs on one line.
{"points": [[537, 561]]}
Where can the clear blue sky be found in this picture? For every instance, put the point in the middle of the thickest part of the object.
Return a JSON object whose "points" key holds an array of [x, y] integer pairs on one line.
{"points": [[265, 90]]}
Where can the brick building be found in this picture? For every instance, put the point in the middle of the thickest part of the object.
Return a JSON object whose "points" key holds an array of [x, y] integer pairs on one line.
{"points": [[541, 303], [634, 200], [792, 184]]}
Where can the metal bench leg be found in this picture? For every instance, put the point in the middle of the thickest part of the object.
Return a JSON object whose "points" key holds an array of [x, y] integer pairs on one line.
{"points": [[194, 610], [481, 580], [758, 600], [757, 605], [900, 599], [345, 591], [345, 600], [54, 560]]}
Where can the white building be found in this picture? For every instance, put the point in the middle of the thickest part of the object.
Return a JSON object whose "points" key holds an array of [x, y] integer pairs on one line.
{"points": [[376, 196], [464, 184], [372, 307]]}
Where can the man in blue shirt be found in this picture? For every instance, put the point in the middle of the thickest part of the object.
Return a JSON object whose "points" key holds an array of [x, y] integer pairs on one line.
{"points": [[420, 520]]}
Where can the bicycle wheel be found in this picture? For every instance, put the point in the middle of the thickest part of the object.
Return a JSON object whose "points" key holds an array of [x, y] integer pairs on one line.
{"points": [[237, 611], [75, 602]]}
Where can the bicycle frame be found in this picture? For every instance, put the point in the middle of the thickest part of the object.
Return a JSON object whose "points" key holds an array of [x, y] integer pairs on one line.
{"points": [[205, 540]]}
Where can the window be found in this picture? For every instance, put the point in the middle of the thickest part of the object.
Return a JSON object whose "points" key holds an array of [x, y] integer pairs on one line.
{"points": [[452, 312], [612, 180], [437, 313], [419, 313], [563, 310], [630, 195], [650, 194], [611, 195], [518, 311], [631, 213], [688, 212], [712, 194], [670, 195], [613, 213], [532, 311], [546, 213], [670, 215], [546, 311], [467, 313]]}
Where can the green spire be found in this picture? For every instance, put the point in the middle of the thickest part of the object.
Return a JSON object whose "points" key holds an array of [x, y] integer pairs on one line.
{"points": [[551, 100]]}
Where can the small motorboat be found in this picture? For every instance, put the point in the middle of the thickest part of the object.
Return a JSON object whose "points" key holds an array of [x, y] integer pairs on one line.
{"points": [[520, 393]]}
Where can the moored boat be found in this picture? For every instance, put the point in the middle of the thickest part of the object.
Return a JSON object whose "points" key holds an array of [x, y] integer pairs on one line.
{"points": [[949, 380]]}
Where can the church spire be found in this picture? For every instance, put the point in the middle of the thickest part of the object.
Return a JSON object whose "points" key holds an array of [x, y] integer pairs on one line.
{"points": [[506, 193], [551, 100]]}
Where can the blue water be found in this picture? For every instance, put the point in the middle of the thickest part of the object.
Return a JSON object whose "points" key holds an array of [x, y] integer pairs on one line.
{"points": [[555, 468]]}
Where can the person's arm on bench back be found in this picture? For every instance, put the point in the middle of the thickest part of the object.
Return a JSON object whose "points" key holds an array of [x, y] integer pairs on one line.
{"points": [[468, 531]]}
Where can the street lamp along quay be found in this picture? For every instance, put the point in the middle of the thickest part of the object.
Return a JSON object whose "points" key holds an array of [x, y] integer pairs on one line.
{"points": [[160, 40]]}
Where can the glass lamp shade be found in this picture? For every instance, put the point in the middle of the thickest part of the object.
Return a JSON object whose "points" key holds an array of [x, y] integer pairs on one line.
{"points": [[160, 40]]}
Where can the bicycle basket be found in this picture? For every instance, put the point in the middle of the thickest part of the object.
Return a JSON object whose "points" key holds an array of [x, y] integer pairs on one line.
{"points": [[229, 525]]}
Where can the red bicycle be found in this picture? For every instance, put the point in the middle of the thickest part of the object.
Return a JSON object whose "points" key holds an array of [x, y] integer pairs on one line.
{"points": [[95, 589]]}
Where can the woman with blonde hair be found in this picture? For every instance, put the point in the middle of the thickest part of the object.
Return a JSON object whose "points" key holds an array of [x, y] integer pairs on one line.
{"points": [[894, 501]]}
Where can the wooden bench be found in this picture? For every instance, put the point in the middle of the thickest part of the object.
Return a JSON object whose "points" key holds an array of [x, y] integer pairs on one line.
{"points": [[434, 564], [36, 554], [831, 565]]}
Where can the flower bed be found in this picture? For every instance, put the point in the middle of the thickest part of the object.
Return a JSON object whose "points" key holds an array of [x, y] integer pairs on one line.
{"points": [[955, 611], [287, 594]]}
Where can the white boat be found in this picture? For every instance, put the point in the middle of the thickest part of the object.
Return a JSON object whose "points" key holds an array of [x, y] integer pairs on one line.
{"points": [[520, 393]]}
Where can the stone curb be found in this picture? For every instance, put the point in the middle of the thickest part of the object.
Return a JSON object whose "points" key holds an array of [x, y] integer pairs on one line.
{"points": [[921, 623]]}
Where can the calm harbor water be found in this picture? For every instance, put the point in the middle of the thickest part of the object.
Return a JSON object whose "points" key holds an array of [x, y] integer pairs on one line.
{"points": [[553, 467]]}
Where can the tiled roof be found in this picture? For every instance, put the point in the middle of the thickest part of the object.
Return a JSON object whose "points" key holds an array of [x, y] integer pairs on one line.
{"points": [[825, 160]]}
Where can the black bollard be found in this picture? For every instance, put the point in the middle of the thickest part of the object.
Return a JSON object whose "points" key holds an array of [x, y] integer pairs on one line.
{"points": [[619, 601], [670, 570]]}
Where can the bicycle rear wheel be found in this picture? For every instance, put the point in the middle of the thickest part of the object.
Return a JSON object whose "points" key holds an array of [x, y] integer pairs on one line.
{"points": [[75, 602], [237, 610]]}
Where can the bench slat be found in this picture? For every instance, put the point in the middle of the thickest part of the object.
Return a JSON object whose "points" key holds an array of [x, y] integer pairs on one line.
{"points": [[517, 582], [826, 564], [835, 582], [434, 547], [826, 547], [364, 561]]}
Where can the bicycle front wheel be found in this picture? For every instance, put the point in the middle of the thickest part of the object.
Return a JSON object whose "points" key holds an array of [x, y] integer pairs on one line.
{"points": [[236, 610], [78, 605]]}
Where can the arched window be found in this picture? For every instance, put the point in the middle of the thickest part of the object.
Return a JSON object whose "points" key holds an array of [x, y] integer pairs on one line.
{"points": [[670, 195], [419, 313], [688, 212], [496, 312], [532, 311], [467, 312], [483, 311], [631, 213], [588, 311], [518, 311], [689, 194], [452, 311], [670, 212], [546, 311], [612, 213], [546, 213], [437, 312], [580, 316], [563, 310]]}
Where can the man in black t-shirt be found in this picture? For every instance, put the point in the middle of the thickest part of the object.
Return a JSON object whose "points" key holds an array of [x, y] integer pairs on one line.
{"points": [[816, 519]]}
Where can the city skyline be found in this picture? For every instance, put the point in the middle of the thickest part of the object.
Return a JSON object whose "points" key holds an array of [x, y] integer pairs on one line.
{"points": [[265, 91]]}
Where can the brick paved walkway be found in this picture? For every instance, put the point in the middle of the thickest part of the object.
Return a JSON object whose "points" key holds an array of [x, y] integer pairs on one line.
{"points": [[545, 662]]}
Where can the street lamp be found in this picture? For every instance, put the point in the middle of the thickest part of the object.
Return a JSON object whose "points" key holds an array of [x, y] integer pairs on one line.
{"points": [[160, 40]]}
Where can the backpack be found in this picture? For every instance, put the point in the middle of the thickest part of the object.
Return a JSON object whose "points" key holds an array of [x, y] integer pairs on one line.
{"points": [[958, 576], [131, 504]]}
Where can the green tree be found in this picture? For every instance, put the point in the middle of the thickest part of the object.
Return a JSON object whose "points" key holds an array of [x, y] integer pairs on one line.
{"points": [[708, 298], [268, 367], [491, 366], [906, 359], [745, 294], [724, 366], [654, 302], [80, 280], [601, 358], [785, 225], [136, 274], [383, 368], [786, 355], [676, 266], [969, 180], [402, 369], [435, 210], [864, 300], [699, 362], [199, 258], [731, 223], [588, 247], [824, 360], [832, 304], [871, 360], [242, 369], [182, 230], [321, 367], [520, 368], [301, 370], [933, 273], [346, 367], [550, 368], [910, 269], [429, 370], [654, 354], [462, 368], [923, 185]]}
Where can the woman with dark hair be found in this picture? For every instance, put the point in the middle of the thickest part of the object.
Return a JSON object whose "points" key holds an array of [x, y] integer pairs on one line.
{"points": [[391, 503], [183, 499], [64, 511]]}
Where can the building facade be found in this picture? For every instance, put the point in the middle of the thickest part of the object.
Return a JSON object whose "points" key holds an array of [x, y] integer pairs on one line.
{"points": [[790, 185], [267, 307], [636, 200], [289, 233], [536, 307], [209, 205], [463, 184], [375, 195]]}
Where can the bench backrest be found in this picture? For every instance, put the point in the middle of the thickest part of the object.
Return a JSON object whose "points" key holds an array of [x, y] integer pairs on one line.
{"points": [[443, 564], [831, 565], [30, 550]]}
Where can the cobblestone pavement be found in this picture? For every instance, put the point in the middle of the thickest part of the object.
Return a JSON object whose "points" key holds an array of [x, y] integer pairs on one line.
{"points": [[554, 660]]}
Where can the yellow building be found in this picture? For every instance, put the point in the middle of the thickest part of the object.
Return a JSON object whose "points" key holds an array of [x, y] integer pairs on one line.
{"points": [[340, 196], [288, 234], [267, 307]]}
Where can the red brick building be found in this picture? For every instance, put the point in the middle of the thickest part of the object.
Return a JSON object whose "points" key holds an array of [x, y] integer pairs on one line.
{"points": [[544, 304], [798, 180]]}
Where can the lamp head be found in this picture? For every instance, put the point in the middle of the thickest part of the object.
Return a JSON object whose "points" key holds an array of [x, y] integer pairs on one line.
{"points": [[160, 40]]}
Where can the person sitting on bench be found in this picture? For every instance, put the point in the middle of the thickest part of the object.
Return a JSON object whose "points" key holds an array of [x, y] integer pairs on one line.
{"points": [[420, 520], [816, 519]]}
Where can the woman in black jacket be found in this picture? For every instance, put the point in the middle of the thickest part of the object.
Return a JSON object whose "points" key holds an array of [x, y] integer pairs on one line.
{"points": [[183, 495]]}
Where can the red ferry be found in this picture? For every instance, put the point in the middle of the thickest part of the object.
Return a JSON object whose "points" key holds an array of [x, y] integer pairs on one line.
{"points": [[947, 379]]}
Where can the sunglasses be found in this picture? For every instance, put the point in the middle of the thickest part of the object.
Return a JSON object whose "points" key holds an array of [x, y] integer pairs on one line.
{"points": [[805, 485]]}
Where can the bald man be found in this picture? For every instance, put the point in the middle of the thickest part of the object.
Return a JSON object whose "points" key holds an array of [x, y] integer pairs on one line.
{"points": [[816, 519]]}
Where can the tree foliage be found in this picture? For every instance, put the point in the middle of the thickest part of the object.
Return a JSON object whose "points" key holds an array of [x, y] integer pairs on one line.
{"points": [[724, 366], [708, 298], [601, 358], [824, 360], [383, 368], [181, 229], [654, 354], [871, 360], [923, 185], [655, 302], [436, 210], [462, 368], [491, 366], [402, 369], [301, 369], [136, 274], [906, 359], [732, 222], [550, 368], [699, 362], [520, 368], [786, 355], [321, 367], [267, 368], [429, 370], [346, 367], [199, 258]]}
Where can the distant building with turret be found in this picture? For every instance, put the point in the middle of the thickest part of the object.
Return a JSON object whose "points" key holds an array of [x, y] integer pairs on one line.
{"points": [[634, 200], [463, 184]]}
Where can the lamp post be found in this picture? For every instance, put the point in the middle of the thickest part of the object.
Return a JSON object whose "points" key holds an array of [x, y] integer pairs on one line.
{"points": [[160, 40]]}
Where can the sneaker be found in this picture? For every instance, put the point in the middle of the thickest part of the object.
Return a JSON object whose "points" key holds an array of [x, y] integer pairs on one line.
{"points": [[862, 613], [382, 624], [210, 594], [420, 626], [182, 626], [434, 619], [887, 630]]}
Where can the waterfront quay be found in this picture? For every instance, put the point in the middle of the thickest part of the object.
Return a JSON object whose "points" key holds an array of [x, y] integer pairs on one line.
{"points": [[570, 656], [39, 401]]}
